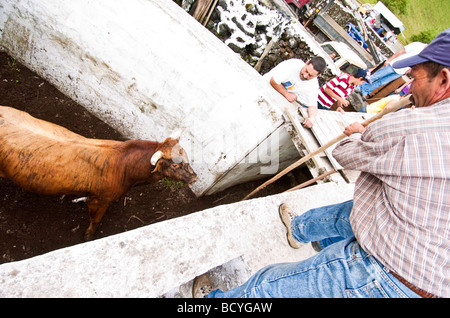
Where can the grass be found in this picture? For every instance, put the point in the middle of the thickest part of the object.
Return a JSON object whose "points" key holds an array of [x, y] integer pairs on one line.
{"points": [[430, 16], [171, 185]]}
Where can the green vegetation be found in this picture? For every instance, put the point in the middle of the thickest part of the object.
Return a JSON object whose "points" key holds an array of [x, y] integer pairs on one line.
{"points": [[172, 185], [423, 19], [13, 65]]}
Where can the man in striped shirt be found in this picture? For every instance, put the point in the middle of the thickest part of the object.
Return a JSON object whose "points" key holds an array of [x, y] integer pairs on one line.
{"points": [[339, 88], [393, 238]]}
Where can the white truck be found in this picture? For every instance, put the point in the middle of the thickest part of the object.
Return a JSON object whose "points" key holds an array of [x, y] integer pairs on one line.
{"points": [[343, 57]]}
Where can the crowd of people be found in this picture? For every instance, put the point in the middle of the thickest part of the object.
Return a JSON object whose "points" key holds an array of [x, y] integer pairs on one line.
{"points": [[297, 81], [393, 238]]}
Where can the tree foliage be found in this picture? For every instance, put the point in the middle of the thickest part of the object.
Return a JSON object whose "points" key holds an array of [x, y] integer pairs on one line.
{"points": [[425, 36], [397, 6]]}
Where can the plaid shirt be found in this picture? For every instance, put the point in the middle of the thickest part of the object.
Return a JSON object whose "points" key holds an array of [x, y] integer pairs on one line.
{"points": [[401, 212]]}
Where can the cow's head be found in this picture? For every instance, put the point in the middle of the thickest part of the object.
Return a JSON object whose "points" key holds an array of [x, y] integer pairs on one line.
{"points": [[172, 162]]}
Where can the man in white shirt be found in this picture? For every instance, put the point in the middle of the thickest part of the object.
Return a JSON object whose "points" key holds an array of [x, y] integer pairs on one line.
{"points": [[297, 81]]}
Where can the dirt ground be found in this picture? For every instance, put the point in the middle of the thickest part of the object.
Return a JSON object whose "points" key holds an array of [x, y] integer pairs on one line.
{"points": [[32, 224]]}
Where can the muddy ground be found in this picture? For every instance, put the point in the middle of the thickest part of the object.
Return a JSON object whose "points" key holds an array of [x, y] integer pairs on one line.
{"points": [[32, 224]]}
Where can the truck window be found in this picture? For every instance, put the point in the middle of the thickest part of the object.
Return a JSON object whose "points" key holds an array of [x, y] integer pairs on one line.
{"points": [[331, 52], [349, 68]]}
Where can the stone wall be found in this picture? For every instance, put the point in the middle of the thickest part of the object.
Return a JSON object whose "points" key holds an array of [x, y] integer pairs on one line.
{"points": [[247, 27], [291, 46]]}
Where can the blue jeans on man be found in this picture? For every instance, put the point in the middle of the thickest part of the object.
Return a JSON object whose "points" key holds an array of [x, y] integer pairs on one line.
{"points": [[380, 78], [341, 269]]}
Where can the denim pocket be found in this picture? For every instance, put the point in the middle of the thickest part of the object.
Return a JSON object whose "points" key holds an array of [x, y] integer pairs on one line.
{"points": [[370, 290]]}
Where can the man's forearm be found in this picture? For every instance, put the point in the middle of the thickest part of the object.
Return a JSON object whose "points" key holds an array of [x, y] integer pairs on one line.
{"points": [[335, 96], [312, 112], [291, 97]]}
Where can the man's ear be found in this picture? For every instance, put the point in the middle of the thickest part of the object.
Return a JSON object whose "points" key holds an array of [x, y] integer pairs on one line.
{"points": [[446, 76], [444, 83]]}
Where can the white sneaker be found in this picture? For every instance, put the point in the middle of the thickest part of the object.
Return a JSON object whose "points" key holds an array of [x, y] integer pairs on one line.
{"points": [[287, 215]]}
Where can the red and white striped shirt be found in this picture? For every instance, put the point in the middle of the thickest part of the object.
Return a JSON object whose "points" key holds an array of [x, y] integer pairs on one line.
{"points": [[401, 204], [339, 85]]}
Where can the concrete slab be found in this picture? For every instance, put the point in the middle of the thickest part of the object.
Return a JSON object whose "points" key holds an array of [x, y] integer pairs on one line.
{"points": [[161, 260]]}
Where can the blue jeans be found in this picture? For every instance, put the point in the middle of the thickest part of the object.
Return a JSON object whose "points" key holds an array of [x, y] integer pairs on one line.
{"points": [[380, 78], [341, 269], [320, 106]]}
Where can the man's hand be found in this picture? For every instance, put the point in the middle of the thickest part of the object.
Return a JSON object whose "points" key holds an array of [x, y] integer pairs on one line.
{"points": [[312, 113], [291, 97], [354, 128], [343, 102], [341, 109], [308, 122]]}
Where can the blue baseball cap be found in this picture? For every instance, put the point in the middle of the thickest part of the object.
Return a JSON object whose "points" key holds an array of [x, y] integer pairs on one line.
{"points": [[364, 74], [437, 51]]}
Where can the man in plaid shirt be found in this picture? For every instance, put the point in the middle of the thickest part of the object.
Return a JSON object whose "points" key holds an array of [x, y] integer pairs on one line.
{"points": [[393, 238]]}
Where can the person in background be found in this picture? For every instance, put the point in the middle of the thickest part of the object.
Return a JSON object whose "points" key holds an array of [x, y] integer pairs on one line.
{"points": [[404, 89], [297, 81], [388, 73], [378, 106], [339, 88], [393, 238]]}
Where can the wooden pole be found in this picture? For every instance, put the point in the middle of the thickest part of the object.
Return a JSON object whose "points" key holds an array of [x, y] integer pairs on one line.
{"points": [[263, 56], [388, 109], [306, 183], [201, 9], [211, 9]]}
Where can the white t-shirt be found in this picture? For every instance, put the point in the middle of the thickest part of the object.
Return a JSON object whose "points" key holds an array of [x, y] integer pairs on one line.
{"points": [[410, 50], [288, 74]]}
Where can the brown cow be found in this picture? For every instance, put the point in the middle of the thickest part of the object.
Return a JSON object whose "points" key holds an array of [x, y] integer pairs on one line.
{"points": [[45, 158]]}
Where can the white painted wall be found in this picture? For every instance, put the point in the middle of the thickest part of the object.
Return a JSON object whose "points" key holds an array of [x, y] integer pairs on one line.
{"points": [[164, 258], [147, 68]]}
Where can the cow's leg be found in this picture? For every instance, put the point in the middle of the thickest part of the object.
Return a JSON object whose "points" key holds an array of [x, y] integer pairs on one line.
{"points": [[97, 209]]}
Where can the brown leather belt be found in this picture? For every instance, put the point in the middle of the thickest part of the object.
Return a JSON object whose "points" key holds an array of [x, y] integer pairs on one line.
{"points": [[418, 291]]}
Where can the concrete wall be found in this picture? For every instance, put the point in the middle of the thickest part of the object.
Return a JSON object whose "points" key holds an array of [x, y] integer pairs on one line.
{"points": [[161, 260], [148, 68]]}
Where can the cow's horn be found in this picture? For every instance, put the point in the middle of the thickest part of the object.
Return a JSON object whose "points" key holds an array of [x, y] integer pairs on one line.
{"points": [[156, 156], [177, 134]]}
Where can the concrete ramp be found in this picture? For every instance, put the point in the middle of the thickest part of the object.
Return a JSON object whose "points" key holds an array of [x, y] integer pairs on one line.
{"points": [[161, 260]]}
